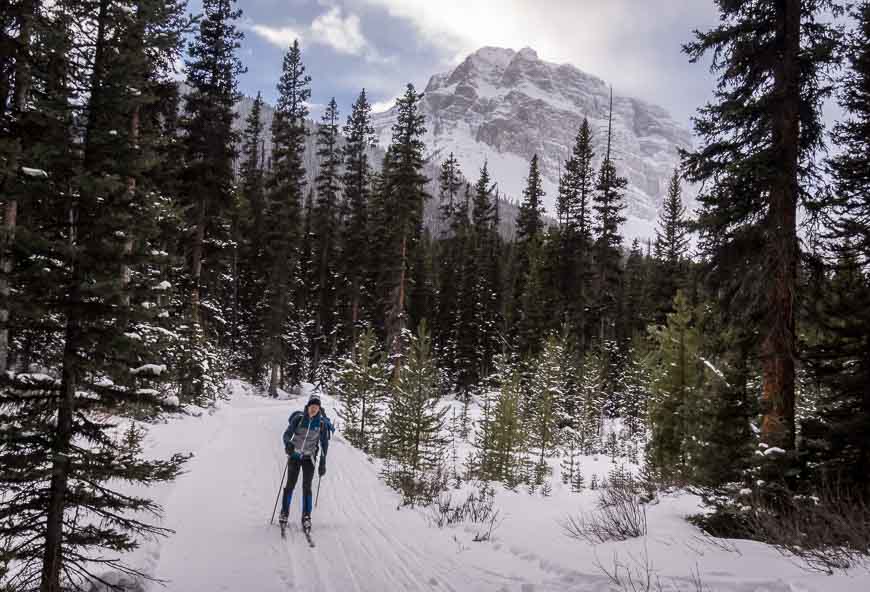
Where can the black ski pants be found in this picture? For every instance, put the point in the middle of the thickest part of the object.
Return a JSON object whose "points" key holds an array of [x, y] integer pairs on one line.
{"points": [[294, 465]]}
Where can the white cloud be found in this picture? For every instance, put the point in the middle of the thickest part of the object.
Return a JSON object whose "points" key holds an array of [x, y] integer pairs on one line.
{"points": [[343, 34], [280, 36], [331, 29]]}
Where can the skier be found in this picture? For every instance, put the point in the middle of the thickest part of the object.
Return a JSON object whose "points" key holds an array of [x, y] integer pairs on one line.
{"points": [[307, 431]]}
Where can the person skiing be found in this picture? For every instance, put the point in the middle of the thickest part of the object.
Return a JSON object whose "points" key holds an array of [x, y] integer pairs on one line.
{"points": [[307, 431]]}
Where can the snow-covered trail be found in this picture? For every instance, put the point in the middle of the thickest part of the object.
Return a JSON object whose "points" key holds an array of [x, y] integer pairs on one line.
{"points": [[220, 511], [223, 541]]}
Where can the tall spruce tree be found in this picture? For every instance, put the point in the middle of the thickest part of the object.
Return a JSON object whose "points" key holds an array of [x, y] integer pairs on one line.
{"points": [[284, 189], [579, 181], [453, 217], [207, 193], [671, 245], [325, 228], [251, 227], [356, 263], [404, 188], [839, 439], [608, 206], [89, 215], [529, 239], [756, 161]]}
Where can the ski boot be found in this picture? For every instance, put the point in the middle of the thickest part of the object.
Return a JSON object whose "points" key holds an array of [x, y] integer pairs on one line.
{"points": [[306, 523], [282, 519]]}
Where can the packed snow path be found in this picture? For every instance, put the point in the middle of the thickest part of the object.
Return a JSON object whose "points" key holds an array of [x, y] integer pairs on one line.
{"points": [[220, 511]]}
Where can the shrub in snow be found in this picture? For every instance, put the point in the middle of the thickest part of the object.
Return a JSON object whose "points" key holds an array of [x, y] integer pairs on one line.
{"points": [[620, 515], [477, 508]]}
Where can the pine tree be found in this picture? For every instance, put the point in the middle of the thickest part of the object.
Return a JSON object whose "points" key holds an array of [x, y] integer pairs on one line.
{"points": [[839, 440], [636, 294], [671, 245], [212, 72], [284, 190], [361, 385], [591, 402], [531, 327], [251, 228], [529, 225], [501, 440], [356, 181], [404, 187], [547, 386], [757, 164], [676, 372], [325, 229], [413, 438], [579, 184], [608, 206], [487, 270], [453, 210], [88, 215]]}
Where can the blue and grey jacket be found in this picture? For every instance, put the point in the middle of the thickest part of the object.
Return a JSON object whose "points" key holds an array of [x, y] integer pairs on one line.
{"points": [[308, 434]]}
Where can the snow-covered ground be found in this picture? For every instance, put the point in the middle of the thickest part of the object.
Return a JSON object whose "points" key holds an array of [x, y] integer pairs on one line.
{"points": [[220, 510]]}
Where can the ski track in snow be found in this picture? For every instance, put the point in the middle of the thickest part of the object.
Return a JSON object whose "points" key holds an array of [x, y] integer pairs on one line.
{"points": [[223, 542]]}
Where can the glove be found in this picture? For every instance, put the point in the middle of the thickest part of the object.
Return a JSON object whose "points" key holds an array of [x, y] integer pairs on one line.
{"points": [[321, 468], [289, 449]]}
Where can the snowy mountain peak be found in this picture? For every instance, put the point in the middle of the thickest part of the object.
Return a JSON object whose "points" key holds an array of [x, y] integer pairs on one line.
{"points": [[503, 106]]}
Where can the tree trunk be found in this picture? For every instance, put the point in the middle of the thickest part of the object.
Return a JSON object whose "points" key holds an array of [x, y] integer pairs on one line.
{"points": [[196, 263], [778, 348], [10, 217], [51, 565], [273, 380]]}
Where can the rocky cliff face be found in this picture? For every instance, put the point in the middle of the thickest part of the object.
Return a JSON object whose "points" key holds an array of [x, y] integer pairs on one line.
{"points": [[502, 106]]}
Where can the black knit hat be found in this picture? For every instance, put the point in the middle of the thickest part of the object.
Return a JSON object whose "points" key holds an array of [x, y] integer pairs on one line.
{"points": [[314, 400]]}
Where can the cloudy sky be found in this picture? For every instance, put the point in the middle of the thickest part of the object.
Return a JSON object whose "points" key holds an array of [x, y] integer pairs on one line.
{"points": [[383, 44]]}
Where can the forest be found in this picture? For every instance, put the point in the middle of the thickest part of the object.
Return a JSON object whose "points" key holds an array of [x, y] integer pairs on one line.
{"points": [[151, 250]]}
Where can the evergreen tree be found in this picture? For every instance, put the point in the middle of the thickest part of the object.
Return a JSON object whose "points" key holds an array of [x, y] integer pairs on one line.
{"points": [[530, 223], [839, 440], [636, 293], [413, 439], [284, 189], [404, 188], [574, 273], [251, 228], [501, 440], [325, 221], [841, 360], [608, 206], [361, 385], [531, 327], [756, 163], [90, 304], [671, 245], [547, 386], [453, 211], [212, 70], [356, 181], [676, 371]]}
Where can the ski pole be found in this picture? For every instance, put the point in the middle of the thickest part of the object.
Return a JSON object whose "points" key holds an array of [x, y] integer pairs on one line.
{"points": [[317, 497], [280, 486]]}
